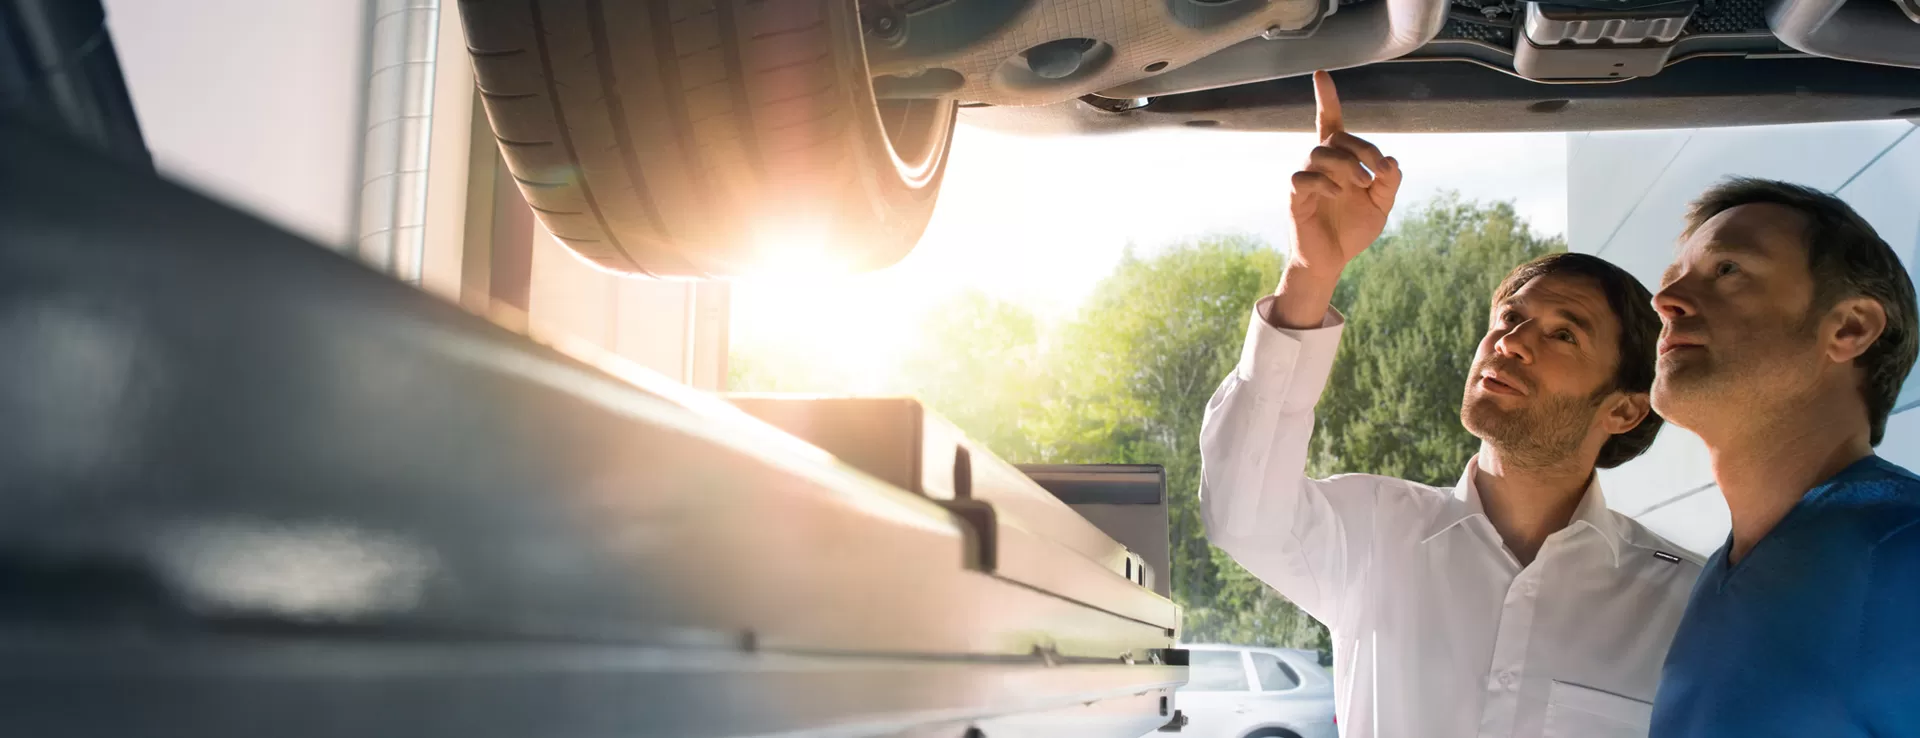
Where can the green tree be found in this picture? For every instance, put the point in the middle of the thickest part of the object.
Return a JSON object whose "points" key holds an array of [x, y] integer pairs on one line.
{"points": [[978, 364], [762, 371], [1132, 375]]}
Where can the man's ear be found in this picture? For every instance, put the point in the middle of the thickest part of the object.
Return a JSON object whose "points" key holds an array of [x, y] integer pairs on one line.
{"points": [[1625, 411], [1851, 328]]}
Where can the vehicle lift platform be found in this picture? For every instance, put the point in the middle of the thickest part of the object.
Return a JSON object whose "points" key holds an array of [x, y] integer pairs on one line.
{"points": [[249, 486]]}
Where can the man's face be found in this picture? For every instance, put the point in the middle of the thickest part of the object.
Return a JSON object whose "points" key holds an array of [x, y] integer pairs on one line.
{"points": [[1536, 387], [1734, 313]]}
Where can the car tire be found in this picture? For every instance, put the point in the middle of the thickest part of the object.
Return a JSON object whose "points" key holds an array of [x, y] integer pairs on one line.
{"points": [[706, 138]]}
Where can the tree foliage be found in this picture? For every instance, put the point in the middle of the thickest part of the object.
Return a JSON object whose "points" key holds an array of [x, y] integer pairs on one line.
{"points": [[979, 366], [1133, 373], [1127, 380]]}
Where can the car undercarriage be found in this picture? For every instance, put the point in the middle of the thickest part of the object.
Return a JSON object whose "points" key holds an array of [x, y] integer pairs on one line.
{"points": [[1463, 65]]}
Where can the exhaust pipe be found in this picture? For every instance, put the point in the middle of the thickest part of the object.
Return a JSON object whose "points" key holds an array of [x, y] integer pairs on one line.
{"points": [[1356, 35], [1867, 31]]}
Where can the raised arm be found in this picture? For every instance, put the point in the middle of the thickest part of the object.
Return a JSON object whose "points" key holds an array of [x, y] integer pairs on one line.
{"points": [[1339, 205], [1302, 536]]}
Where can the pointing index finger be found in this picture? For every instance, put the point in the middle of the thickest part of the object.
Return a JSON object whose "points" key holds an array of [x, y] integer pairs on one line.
{"points": [[1326, 106]]}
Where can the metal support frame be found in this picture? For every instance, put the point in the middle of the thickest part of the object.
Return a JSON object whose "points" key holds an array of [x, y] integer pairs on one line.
{"points": [[497, 256], [399, 130], [382, 496], [389, 514]]}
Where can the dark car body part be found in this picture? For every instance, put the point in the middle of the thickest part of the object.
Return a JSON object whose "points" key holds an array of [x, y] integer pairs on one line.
{"points": [[1453, 96], [58, 68], [1553, 48]]}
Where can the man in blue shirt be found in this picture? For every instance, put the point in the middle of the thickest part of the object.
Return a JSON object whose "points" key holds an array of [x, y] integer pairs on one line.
{"points": [[1788, 326]]}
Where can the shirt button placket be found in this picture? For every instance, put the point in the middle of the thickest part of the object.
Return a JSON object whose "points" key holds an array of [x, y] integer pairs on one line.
{"points": [[1509, 654]]}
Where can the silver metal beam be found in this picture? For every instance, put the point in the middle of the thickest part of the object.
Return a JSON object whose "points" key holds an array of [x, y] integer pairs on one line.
{"points": [[399, 127]]}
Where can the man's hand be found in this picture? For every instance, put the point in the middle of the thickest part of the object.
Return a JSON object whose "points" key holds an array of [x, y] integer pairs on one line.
{"points": [[1339, 205]]}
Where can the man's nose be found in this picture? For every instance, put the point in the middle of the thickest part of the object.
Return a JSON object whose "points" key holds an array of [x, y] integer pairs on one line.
{"points": [[1672, 302], [1515, 344]]}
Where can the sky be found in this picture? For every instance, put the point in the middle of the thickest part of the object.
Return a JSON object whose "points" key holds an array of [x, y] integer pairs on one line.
{"points": [[1040, 220]]}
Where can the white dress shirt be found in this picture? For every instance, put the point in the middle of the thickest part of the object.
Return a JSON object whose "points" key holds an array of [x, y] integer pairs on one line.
{"points": [[1437, 629]]}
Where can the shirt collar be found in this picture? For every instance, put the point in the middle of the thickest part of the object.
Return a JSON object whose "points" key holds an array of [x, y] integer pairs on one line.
{"points": [[1592, 511]]}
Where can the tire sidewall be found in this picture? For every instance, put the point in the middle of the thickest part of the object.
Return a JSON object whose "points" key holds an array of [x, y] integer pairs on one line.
{"points": [[898, 201]]}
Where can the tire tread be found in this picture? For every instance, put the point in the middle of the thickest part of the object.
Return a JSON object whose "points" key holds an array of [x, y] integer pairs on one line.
{"points": [[645, 134]]}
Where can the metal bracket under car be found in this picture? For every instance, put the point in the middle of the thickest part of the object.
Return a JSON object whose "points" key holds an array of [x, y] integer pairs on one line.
{"points": [[1565, 42], [1457, 95], [1735, 61]]}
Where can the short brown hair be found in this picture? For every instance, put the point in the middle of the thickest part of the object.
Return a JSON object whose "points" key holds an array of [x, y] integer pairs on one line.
{"points": [[1632, 305], [1846, 258]]}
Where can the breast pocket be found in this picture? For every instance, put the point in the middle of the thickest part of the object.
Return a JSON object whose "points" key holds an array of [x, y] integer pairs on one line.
{"points": [[1574, 711]]}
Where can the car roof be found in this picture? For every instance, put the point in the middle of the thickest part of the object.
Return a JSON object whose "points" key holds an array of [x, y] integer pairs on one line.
{"points": [[1305, 663], [1313, 656]]}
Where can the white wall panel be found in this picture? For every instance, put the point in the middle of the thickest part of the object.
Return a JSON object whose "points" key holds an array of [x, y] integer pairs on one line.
{"points": [[255, 103], [1902, 444], [1616, 170], [1822, 155], [1887, 194], [1697, 522], [1676, 462]]}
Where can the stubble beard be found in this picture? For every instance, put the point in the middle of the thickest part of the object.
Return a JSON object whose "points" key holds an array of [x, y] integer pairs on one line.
{"points": [[1713, 390], [1543, 434]]}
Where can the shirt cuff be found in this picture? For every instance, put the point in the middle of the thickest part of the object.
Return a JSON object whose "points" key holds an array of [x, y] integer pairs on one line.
{"points": [[1286, 364]]}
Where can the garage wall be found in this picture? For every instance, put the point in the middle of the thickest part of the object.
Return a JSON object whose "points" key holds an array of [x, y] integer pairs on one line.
{"points": [[678, 329], [1627, 193], [255, 103], [262, 104]]}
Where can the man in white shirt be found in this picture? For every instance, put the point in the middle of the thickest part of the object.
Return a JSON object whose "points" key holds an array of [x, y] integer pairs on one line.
{"points": [[1512, 604]]}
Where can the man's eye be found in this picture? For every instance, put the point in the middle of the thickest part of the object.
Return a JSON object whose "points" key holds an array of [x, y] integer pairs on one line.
{"points": [[1564, 335], [1509, 317], [1725, 268]]}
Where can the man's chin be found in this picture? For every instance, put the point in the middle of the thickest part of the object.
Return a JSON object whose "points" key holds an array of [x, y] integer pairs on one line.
{"points": [[1676, 395], [1492, 403], [1482, 416]]}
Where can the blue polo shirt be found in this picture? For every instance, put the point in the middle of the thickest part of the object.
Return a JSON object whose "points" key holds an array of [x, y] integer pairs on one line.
{"points": [[1816, 632]]}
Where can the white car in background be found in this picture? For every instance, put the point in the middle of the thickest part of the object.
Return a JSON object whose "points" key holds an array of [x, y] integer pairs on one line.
{"points": [[1249, 692]]}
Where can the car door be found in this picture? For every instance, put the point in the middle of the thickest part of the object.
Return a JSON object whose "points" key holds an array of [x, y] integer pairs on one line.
{"points": [[1218, 693], [1283, 696]]}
